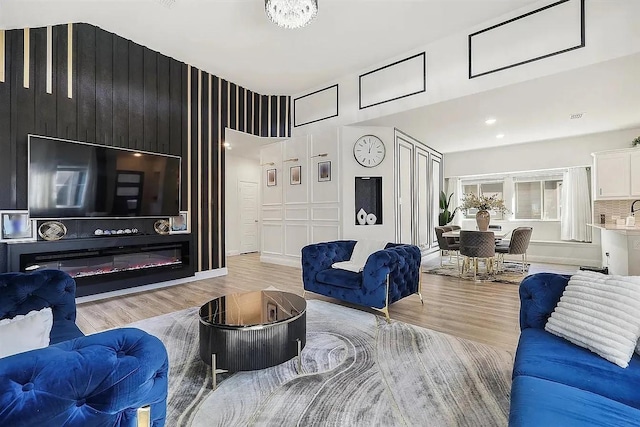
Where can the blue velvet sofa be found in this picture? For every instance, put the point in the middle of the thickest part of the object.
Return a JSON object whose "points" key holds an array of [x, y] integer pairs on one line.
{"points": [[96, 380], [398, 262], [556, 383]]}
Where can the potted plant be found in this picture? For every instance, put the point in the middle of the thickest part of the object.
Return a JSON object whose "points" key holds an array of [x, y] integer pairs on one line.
{"points": [[446, 216], [483, 204], [636, 142]]}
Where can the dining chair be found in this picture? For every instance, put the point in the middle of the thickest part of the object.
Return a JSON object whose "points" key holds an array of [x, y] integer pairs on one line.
{"points": [[518, 245], [475, 246], [446, 244]]}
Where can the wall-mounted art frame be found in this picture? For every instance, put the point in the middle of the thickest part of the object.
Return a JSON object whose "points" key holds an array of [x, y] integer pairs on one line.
{"points": [[272, 178], [179, 224], [324, 171], [17, 227], [295, 175]]}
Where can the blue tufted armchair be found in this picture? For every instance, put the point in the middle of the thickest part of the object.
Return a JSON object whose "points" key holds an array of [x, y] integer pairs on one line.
{"points": [[388, 276], [113, 378]]}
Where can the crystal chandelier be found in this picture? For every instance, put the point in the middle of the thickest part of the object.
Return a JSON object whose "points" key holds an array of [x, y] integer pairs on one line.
{"points": [[291, 13]]}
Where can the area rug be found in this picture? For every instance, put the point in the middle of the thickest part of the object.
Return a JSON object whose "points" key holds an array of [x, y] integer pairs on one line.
{"points": [[357, 370], [512, 273]]}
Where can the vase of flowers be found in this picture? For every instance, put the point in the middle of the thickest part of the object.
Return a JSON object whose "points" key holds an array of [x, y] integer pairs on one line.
{"points": [[483, 204]]}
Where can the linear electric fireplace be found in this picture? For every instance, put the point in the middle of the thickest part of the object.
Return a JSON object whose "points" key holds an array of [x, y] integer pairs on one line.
{"points": [[107, 264]]}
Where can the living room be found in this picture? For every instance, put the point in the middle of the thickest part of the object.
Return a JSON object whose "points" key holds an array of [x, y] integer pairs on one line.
{"points": [[235, 159]]}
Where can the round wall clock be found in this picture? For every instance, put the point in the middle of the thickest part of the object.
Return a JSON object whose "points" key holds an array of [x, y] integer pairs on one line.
{"points": [[369, 151]]}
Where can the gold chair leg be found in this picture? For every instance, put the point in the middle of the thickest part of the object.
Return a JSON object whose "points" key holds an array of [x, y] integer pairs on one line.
{"points": [[144, 416]]}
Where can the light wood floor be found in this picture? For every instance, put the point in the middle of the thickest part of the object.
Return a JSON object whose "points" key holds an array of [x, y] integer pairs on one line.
{"points": [[483, 312]]}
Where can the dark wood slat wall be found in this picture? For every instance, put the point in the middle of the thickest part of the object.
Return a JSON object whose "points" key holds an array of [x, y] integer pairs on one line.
{"points": [[129, 96]]}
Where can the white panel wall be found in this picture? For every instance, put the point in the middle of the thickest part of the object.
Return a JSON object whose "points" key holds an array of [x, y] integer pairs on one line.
{"points": [[313, 107], [304, 213], [403, 78], [545, 32], [610, 34], [237, 169], [351, 169]]}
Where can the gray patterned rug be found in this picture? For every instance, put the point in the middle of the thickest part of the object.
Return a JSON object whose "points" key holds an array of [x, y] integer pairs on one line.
{"points": [[357, 371], [512, 272]]}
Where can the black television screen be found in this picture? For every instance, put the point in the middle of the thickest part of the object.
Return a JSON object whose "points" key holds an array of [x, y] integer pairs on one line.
{"points": [[70, 179]]}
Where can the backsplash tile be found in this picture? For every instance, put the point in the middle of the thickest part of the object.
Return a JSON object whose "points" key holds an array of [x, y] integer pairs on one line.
{"points": [[621, 208]]}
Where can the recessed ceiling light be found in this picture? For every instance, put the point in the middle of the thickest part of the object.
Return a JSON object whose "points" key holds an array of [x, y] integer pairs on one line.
{"points": [[500, 135], [490, 121], [226, 144]]}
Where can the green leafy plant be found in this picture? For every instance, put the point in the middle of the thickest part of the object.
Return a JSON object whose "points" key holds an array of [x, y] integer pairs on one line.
{"points": [[445, 217], [483, 203], [636, 142]]}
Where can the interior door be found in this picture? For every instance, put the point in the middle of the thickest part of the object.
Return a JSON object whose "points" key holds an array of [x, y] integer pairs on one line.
{"points": [[405, 192], [248, 192], [436, 185], [422, 198]]}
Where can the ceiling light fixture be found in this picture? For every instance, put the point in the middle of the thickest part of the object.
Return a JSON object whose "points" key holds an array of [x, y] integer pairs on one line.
{"points": [[490, 121], [500, 135], [291, 13]]}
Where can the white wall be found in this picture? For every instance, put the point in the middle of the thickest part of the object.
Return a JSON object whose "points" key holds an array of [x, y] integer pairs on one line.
{"points": [[610, 34], [237, 169], [352, 169], [553, 153]]}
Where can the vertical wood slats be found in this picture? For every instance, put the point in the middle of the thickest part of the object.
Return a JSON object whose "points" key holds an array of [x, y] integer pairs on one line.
{"points": [[112, 91]]}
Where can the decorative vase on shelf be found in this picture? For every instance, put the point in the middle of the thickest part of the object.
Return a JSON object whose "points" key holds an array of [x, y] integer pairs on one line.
{"points": [[361, 216], [371, 219], [482, 219]]}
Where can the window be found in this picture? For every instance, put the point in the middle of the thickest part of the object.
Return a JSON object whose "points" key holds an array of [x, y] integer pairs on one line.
{"points": [[70, 186], [538, 199], [490, 188]]}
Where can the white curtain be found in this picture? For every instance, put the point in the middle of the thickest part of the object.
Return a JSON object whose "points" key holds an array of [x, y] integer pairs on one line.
{"points": [[454, 187], [576, 206]]}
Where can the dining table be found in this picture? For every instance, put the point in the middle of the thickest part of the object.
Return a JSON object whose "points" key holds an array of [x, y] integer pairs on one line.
{"points": [[499, 234]]}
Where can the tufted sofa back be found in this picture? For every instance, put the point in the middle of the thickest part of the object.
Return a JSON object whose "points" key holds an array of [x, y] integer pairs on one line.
{"points": [[539, 295], [21, 293]]}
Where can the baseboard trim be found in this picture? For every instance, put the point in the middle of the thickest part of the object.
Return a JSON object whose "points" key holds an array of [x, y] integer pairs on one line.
{"points": [[233, 252], [281, 260], [144, 288]]}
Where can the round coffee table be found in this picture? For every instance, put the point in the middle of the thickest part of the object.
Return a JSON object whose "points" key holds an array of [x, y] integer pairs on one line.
{"points": [[252, 330]]}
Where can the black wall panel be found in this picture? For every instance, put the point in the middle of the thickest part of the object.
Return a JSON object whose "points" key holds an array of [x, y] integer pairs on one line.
{"points": [[136, 96], [150, 115], [282, 117], [126, 95], [163, 135], [25, 122], [86, 95], [7, 195], [66, 108], [104, 88], [45, 103]]}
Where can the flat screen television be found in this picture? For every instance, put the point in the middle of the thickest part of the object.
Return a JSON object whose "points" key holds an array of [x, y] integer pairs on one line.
{"points": [[69, 179]]}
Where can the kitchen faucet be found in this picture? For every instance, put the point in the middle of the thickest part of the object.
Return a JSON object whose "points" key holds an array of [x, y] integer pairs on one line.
{"points": [[634, 210]]}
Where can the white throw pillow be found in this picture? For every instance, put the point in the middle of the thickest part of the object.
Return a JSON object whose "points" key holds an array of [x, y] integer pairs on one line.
{"points": [[600, 313], [25, 332], [361, 252]]}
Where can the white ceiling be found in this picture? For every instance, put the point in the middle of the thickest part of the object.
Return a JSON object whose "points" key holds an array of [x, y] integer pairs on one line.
{"points": [[234, 39], [608, 93]]}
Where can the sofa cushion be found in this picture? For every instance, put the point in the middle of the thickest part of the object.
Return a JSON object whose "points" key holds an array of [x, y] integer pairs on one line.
{"points": [[536, 402], [543, 355], [599, 312], [25, 332], [340, 278]]}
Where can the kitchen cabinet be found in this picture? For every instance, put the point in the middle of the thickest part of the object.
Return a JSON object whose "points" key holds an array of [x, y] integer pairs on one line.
{"points": [[635, 173], [613, 175]]}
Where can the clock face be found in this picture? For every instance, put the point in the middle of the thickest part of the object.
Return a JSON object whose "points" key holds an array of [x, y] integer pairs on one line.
{"points": [[369, 151]]}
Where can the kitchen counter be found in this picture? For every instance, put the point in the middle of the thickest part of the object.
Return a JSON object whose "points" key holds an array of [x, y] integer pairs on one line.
{"points": [[622, 229], [620, 248]]}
